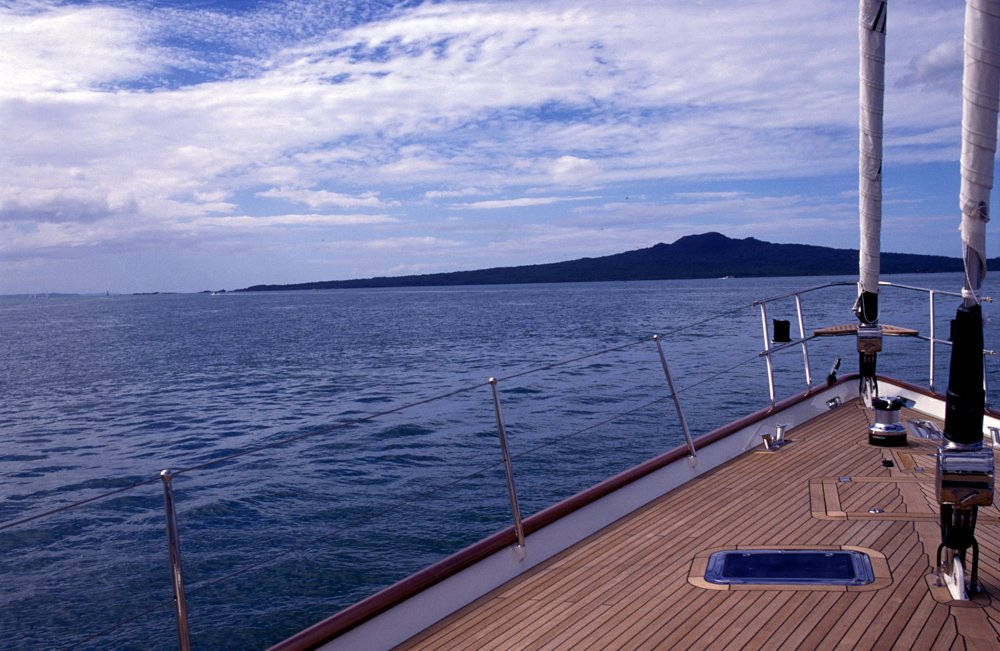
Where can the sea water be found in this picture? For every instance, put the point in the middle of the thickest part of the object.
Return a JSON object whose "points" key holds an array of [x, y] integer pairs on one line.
{"points": [[327, 444]]}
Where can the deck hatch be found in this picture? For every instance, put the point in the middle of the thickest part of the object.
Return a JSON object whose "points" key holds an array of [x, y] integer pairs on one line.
{"points": [[789, 566]]}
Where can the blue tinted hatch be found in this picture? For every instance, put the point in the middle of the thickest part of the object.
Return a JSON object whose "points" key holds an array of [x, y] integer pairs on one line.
{"points": [[790, 566]]}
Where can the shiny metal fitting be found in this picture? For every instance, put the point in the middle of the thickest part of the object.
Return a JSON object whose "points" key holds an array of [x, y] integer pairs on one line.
{"points": [[965, 476], [869, 339]]}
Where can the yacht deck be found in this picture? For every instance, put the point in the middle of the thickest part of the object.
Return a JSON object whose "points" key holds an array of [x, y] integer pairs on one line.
{"points": [[638, 583]]}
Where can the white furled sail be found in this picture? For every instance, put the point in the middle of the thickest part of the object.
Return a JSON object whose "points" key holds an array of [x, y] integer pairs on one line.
{"points": [[872, 73], [981, 89], [871, 36], [965, 468]]}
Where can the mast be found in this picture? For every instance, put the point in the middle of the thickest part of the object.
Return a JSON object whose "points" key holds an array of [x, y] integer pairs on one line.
{"points": [[964, 469], [871, 35]]}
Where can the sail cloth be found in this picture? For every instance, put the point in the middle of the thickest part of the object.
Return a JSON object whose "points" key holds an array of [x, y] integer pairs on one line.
{"points": [[872, 39], [981, 100]]}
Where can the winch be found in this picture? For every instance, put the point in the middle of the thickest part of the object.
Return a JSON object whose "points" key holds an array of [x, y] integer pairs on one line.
{"points": [[887, 430]]}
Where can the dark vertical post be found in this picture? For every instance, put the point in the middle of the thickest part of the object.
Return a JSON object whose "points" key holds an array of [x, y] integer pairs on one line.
{"points": [[508, 469], [176, 575]]}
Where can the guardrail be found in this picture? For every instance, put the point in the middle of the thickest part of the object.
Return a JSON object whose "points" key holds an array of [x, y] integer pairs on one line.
{"points": [[769, 350]]}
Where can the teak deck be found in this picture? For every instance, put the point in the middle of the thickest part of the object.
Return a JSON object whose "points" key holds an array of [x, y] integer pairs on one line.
{"points": [[637, 584]]}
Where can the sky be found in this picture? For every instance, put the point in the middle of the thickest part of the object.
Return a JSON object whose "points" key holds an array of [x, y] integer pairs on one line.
{"points": [[186, 146]]}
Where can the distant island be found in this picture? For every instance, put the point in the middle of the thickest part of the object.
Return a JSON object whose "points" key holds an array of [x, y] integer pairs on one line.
{"points": [[709, 255]]}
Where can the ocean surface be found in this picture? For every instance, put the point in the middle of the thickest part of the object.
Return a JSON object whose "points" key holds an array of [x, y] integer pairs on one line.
{"points": [[327, 444]]}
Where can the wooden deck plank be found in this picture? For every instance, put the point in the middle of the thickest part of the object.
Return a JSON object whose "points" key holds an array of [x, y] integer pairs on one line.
{"points": [[934, 626], [781, 601], [866, 629], [805, 602], [740, 617], [632, 616], [627, 586], [812, 621]]}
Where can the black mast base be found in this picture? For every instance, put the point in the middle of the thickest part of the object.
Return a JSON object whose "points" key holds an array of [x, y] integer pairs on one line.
{"points": [[887, 440], [887, 431]]}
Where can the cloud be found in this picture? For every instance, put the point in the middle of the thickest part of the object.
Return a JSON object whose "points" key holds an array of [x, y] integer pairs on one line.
{"points": [[574, 170], [26, 204], [323, 198], [244, 222], [710, 195], [522, 202], [406, 243], [129, 124], [52, 48], [940, 68], [452, 194]]}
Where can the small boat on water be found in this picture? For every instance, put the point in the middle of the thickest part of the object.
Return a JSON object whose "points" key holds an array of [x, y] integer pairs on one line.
{"points": [[858, 514]]}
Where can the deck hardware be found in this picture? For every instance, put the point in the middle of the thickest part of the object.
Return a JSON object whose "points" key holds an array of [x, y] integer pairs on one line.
{"points": [[888, 463], [925, 429], [779, 434], [965, 477], [833, 402], [508, 470], [803, 567], [994, 437], [767, 353], [772, 346], [831, 377], [843, 480], [782, 331], [771, 442], [174, 549], [673, 395], [887, 431], [876, 509], [802, 337], [933, 339]]}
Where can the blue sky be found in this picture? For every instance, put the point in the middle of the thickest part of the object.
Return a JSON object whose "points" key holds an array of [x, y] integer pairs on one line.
{"points": [[182, 146]]}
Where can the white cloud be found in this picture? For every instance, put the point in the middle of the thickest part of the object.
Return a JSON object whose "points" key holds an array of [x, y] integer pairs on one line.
{"points": [[521, 202], [244, 222], [323, 198], [419, 243], [573, 170], [452, 194], [940, 67], [399, 108], [52, 48], [27, 204]]}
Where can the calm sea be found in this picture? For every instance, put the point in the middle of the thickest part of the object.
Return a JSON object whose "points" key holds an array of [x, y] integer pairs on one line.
{"points": [[365, 475]]}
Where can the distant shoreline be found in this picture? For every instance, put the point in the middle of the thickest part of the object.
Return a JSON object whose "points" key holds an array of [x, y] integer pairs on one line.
{"points": [[704, 256]]}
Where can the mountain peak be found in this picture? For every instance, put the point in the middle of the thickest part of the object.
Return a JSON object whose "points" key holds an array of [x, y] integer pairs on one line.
{"points": [[704, 242], [708, 255]]}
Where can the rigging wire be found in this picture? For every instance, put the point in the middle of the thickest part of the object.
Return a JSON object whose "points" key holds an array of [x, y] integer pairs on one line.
{"points": [[200, 587], [195, 589], [359, 420], [114, 627]]}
